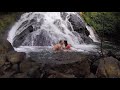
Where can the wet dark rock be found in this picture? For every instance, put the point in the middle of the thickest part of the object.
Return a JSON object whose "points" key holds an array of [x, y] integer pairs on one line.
{"points": [[110, 53], [5, 46], [77, 23], [79, 69], [58, 57], [16, 57], [55, 74], [8, 74], [15, 67], [117, 55], [91, 76], [21, 75], [41, 38], [2, 59], [94, 66], [19, 39], [26, 65], [34, 72], [6, 66]]}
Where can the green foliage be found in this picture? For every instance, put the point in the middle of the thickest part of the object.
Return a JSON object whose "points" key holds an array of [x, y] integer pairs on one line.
{"points": [[106, 24], [6, 19]]}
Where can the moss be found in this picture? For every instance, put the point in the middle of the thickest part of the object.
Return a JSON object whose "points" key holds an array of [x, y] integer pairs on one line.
{"points": [[6, 19], [106, 24]]}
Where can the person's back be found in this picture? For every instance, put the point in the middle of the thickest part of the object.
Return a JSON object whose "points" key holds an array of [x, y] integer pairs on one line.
{"points": [[57, 47]]}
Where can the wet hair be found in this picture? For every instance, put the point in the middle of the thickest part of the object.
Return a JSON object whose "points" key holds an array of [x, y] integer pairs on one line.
{"points": [[60, 41], [65, 42]]}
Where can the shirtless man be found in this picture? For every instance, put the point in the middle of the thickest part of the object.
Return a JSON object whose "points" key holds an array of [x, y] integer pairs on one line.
{"points": [[59, 46]]}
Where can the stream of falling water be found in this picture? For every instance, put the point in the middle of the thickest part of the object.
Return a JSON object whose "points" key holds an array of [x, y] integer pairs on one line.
{"points": [[49, 28]]}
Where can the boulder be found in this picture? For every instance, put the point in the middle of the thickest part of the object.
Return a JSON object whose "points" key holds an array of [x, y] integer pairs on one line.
{"points": [[108, 68], [20, 75], [57, 57], [5, 46], [34, 72], [117, 54], [55, 74], [2, 60], [77, 23], [19, 39], [82, 68], [110, 53], [79, 26], [7, 66], [8, 74], [79, 69], [27, 65], [91, 76], [15, 67], [16, 57], [94, 62], [1, 72], [94, 66], [87, 40]]}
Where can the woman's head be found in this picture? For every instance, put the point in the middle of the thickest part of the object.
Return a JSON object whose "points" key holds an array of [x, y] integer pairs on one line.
{"points": [[65, 42]]}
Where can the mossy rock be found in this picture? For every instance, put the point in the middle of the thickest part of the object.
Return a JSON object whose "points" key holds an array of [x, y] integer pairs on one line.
{"points": [[108, 68], [2, 59], [16, 57], [5, 46]]}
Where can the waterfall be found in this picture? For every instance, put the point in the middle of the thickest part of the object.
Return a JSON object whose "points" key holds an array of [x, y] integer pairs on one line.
{"points": [[44, 29], [92, 35]]}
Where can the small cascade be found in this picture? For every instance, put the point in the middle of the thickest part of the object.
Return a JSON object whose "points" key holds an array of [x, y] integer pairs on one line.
{"points": [[93, 34]]}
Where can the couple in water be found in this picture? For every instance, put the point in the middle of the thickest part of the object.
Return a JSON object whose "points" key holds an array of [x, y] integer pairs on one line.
{"points": [[62, 45]]}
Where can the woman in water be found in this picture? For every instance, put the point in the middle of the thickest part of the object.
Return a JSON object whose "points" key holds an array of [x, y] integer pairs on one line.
{"points": [[67, 46]]}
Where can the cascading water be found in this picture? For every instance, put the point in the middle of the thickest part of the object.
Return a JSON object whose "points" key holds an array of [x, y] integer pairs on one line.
{"points": [[92, 35], [36, 30]]}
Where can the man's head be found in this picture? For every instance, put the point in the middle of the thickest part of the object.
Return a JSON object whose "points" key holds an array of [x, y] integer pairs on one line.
{"points": [[61, 42]]}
